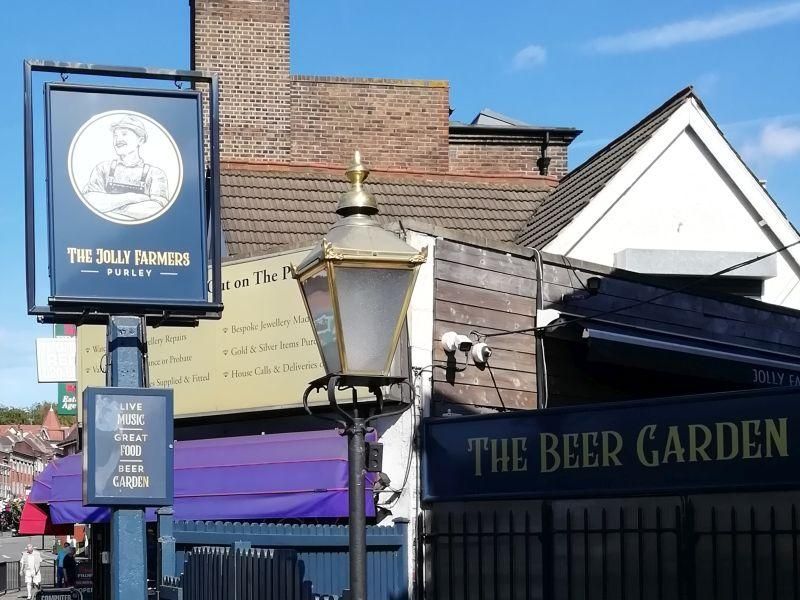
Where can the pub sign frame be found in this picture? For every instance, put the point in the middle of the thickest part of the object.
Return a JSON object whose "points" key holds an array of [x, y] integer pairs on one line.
{"points": [[162, 455], [175, 308]]}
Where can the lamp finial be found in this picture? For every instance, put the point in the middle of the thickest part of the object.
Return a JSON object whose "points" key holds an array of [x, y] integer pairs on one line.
{"points": [[356, 173], [356, 199]]}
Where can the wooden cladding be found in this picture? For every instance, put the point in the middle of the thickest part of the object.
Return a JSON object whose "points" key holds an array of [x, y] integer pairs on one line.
{"points": [[642, 304], [487, 291], [491, 291]]}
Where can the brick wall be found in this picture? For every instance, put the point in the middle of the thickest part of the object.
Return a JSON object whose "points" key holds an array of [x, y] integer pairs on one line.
{"points": [[267, 115], [247, 43], [502, 157], [397, 124]]}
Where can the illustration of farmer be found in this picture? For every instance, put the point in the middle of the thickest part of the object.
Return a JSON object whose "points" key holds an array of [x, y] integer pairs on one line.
{"points": [[127, 188]]}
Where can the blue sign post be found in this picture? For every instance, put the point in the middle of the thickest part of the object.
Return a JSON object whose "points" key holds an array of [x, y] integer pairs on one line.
{"points": [[134, 229], [126, 369]]}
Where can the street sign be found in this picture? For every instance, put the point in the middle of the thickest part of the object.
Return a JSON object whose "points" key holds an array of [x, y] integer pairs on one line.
{"points": [[55, 359], [126, 197], [59, 594], [128, 446]]}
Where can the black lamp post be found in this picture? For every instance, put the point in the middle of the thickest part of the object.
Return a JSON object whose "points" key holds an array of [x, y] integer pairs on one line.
{"points": [[356, 285]]}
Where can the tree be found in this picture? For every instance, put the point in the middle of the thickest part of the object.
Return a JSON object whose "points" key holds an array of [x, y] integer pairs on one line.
{"points": [[32, 415], [10, 514], [13, 415], [38, 411]]}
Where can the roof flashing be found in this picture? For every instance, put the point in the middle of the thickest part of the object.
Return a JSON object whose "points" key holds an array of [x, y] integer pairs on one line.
{"points": [[694, 262]]}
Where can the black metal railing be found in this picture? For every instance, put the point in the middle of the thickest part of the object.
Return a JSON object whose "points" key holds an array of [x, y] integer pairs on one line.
{"points": [[12, 581], [9, 577], [736, 547]]}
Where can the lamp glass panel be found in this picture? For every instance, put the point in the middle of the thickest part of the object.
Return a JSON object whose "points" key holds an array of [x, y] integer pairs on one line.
{"points": [[318, 297], [370, 304]]}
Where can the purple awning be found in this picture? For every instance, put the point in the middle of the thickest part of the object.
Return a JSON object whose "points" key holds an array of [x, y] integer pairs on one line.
{"points": [[300, 475]]}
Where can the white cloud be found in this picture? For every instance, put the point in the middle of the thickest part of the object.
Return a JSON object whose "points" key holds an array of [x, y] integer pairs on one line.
{"points": [[529, 57], [697, 30], [745, 124], [775, 141]]}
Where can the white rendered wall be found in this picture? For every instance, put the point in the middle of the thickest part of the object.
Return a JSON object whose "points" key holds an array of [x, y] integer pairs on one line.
{"points": [[684, 201], [397, 433]]}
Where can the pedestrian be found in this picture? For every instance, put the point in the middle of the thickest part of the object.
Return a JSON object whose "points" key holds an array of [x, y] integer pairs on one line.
{"points": [[62, 552], [30, 568], [70, 567]]}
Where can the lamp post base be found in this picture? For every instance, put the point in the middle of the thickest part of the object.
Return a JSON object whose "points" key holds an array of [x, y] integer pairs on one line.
{"points": [[356, 465], [355, 426]]}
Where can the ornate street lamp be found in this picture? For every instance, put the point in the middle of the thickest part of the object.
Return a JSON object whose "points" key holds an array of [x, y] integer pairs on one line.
{"points": [[356, 285]]}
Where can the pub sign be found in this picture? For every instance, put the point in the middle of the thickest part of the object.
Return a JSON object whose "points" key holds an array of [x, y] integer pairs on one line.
{"points": [[126, 196], [128, 446], [714, 442]]}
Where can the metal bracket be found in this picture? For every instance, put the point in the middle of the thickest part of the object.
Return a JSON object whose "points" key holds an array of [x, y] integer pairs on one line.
{"points": [[336, 382]]}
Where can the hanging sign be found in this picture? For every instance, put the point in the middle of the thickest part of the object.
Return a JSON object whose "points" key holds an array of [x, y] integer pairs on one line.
{"points": [[67, 403], [126, 197], [715, 442], [63, 330], [55, 359], [128, 446]]}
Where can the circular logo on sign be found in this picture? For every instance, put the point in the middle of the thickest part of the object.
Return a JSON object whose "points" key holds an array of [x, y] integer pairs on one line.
{"points": [[106, 413], [125, 167]]}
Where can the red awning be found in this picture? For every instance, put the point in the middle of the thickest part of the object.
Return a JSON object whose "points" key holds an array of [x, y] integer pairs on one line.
{"points": [[35, 520]]}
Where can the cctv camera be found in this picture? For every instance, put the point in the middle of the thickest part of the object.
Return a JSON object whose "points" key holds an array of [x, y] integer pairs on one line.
{"points": [[452, 341], [480, 353]]}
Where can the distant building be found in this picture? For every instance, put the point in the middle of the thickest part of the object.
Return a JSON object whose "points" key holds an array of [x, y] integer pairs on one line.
{"points": [[25, 450]]}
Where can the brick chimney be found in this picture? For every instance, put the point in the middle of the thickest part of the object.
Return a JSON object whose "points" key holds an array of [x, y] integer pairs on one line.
{"points": [[247, 43]]}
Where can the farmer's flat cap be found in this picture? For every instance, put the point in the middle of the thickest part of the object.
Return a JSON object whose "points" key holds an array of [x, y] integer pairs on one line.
{"points": [[132, 123]]}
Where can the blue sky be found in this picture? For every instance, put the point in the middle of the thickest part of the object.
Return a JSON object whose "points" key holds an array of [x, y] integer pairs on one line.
{"points": [[597, 66]]}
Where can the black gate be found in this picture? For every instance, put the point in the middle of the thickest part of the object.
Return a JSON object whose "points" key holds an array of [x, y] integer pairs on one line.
{"points": [[227, 574], [735, 546]]}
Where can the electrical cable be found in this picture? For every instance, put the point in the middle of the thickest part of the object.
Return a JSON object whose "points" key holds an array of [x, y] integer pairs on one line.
{"points": [[418, 371], [542, 381], [560, 322], [417, 374], [496, 388]]}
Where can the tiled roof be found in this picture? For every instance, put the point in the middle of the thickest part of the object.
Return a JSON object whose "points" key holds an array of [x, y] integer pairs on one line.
{"points": [[265, 208], [50, 420], [35, 429], [581, 185]]}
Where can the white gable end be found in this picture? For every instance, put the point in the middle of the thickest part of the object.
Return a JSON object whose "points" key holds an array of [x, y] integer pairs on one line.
{"points": [[685, 189]]}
